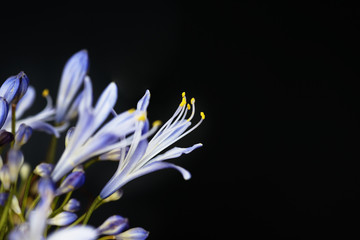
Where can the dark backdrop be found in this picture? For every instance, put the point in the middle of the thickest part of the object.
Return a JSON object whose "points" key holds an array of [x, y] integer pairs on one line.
{"points": [[278, 83]]}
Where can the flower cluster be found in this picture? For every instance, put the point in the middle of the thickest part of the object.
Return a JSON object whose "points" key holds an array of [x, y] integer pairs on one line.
{"points": [[37, 204]]}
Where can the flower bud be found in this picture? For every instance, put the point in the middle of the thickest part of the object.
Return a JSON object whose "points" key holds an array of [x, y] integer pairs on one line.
{"points": [[14, 87], [113, 225], [15, 161], [73, 181], [22, 135], [5, 137], [62, 219], [72, 205], [133, 234], [15, 206], [25, 171], [43, 169], [5, 176]]}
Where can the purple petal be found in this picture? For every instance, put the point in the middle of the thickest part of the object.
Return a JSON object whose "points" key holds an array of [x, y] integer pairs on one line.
{"points": [[4, 110], [143, 103], [62, 219], [45, 127], [72, 77], [133, 234], [25, 102], [176, 152]]}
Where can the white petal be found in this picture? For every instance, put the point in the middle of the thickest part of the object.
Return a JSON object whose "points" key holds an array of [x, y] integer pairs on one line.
{"points": [[75, 233]]}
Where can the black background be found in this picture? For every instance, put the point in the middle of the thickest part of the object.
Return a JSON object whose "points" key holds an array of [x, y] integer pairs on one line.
{"points": [[278, 82]]}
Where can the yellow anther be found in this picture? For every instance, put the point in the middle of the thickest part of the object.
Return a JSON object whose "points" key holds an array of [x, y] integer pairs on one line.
{"points": [[157, 123], [188, 106], [192, 101], [131, 110], [183, 94], [183, 102], [142, 117], [45, 92], [202, 114]]}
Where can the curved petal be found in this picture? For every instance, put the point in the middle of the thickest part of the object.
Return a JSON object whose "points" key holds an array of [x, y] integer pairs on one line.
{"points": [[175, 152], [45, 127], [25, 102], [72, 77]]}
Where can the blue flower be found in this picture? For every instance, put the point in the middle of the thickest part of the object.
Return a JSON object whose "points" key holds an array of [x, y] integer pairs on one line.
{"points": [[143, 156], [71, 80], [14, 87], [87, 139], [38, 121], [37, 221]]}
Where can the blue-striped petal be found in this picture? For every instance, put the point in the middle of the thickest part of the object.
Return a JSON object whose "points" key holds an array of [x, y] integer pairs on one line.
{"points": [[24, 84], [72, 77], [72, 205], [10, 88], [22, 135], [15, 161], [62, 219], [175, 152], [43, 169], [44, 127], [73, 181], [113, 225], [133, 234], [152, 167], [143, 103], [25, 102], [4, 110]]}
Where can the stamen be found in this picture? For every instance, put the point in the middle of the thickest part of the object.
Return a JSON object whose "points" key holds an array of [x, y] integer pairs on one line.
{"points": [[45, 92], [183, 102], [193, 109], [157, 123], [142, 117], [202, 114]]}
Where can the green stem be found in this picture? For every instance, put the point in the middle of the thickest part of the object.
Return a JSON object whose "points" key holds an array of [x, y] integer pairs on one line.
{"points": [[81, 218], [59, 209], [13, 122], [5, 212], [33, 204], [26, 193], [107, 238], [52, 150], [13, 118], [91, 209], [90, 162]]}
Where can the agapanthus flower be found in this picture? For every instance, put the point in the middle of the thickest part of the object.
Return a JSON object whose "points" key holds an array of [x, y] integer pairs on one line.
{"points": [[14, 87], [142, 157], [36, 202], [72, 78], [34, 228], [38, 121], [87, 139]]}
